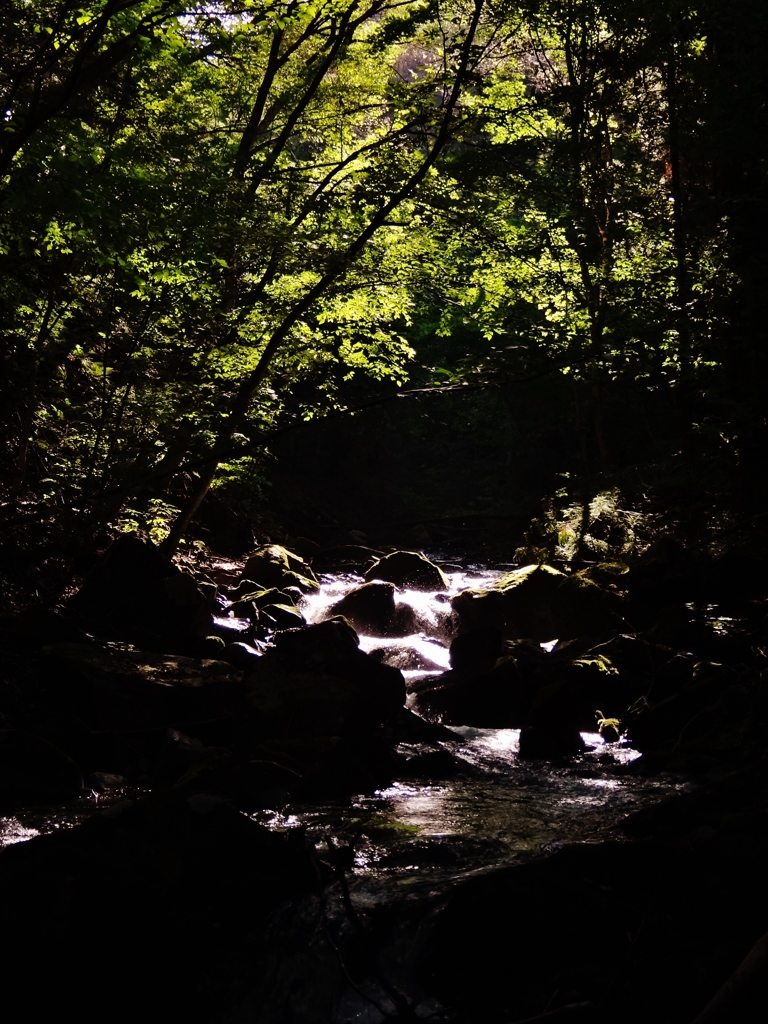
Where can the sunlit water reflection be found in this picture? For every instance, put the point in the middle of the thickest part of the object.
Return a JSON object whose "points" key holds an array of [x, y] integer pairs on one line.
{"points": [[495, 809], [492, 808]]}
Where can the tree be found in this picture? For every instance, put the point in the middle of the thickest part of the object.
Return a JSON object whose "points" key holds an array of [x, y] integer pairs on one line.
{"points": [[224, 209]]}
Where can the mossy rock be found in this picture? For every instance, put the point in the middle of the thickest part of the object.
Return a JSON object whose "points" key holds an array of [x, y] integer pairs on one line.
{"points": [[276, 566], [539, 603], [282, 616]]}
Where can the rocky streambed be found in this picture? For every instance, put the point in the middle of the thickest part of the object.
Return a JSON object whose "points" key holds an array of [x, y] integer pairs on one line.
{"points": [[394, 790]]}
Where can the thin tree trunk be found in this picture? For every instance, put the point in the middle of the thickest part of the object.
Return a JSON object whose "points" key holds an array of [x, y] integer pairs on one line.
{"points": [[682, 282]]}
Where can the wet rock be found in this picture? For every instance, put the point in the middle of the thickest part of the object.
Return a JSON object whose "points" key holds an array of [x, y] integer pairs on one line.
{"points": [[431, 764], [408, 658], [275, 566], [477, 650], [281, 616], [231, 630], [105, 783], [539, 603], [32, 770], [250, 593], [500, 697], [408, 570], [137, 594], [370, 608], [241, 655], [548, 743], [495, 699]]}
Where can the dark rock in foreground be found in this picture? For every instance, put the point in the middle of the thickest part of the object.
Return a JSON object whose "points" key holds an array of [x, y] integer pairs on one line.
{"points": [[149, 902], [138, 595], [316, 681]]}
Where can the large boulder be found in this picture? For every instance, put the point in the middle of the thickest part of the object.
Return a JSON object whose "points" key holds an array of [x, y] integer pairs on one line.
{"points": [[408, 570], [276, 566], [135, 593], [496, 695], [317, 681], [372, 610], [127, 690], [538, 603], [167, 889], [33, 770], [476, 650], [346, 558]]}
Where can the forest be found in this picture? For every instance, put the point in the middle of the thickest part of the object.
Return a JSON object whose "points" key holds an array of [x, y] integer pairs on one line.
{"points": [[290, 288]]}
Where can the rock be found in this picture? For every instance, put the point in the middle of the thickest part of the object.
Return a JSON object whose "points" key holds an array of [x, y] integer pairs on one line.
{"points": [[409, 571], [317, 681], [275, 566], [177, 755], [166, 889], [500, 697], [32, 770], [138, 595], [431, 764], [404, 726], [212, 647], [248, 592], [230, 630], [281, 616], [708, 722], [477, 650], [494, 700], [241, 655], [304, 547], [406, 657], [538, 603], [546, 744], [372, 610], [123, 690], [346, 558], [296, 767], [34, 627]]}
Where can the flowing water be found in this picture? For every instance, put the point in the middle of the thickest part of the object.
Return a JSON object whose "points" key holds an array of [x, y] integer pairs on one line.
{"points": [[490, 807]]}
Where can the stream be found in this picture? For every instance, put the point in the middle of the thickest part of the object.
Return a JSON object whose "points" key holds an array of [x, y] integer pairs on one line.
{"points": [[489, 808], [493, 808]]}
